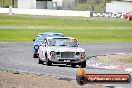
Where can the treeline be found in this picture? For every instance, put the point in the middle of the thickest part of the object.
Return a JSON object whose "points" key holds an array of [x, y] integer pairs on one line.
{"points": [[92, 5], [7, 3], [95, 1]]}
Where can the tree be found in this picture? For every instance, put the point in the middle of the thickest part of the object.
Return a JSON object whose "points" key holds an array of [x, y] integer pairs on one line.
{"points": [[94, 3], [2, 3], [13, 3], [81, 1]]}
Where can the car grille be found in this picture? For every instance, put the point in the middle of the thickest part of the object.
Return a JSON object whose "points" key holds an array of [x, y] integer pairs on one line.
{"points": [[67, 54]]}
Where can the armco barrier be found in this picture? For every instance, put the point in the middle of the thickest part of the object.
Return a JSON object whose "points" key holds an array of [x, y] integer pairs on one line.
{"points": [[47, 12]]}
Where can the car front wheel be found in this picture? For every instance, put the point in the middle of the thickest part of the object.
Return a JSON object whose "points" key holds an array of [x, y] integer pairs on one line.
{"points": [[40, 61], [48, 62], [83, 64], [128, 18], [73, 65]]}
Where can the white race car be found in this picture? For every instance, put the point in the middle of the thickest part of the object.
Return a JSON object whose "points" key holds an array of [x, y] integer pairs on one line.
{"points": [[62, 50]]}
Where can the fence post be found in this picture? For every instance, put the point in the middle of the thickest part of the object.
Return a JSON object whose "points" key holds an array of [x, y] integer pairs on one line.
{"points": [[10, 10]]}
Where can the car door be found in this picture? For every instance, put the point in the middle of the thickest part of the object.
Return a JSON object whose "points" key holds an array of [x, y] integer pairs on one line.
{"points": [[43, 49], [40, 51]]}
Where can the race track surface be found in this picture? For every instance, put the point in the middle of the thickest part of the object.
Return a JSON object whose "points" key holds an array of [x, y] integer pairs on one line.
{"points": [[18, 57]]}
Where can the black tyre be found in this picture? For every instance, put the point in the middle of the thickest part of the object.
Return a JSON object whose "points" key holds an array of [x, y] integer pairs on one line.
{"points": [[83, 64], [48, 62], [35, 55], [128, 18], [40, 61], [73, 65]]}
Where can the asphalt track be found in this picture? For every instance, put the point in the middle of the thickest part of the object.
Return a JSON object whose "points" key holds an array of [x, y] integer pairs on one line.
{"points": [[18, 57]]}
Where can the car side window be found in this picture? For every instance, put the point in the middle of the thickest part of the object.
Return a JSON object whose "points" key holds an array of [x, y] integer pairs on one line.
{"points": [[45, 42], [39, 38]]}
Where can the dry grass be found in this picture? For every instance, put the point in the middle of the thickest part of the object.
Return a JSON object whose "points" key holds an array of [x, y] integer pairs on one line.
{"points": [[11, 80], [123, 60]]}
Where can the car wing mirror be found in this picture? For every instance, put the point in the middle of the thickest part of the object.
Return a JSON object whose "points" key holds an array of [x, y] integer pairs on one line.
{"points": [[33, 39], [43, 45]]}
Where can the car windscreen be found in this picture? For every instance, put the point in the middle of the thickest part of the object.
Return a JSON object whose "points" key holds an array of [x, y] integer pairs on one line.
{"points": [[40, 38], [63, 42]]}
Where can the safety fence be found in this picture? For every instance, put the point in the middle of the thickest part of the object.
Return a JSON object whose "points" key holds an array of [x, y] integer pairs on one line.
{"points": [[106, 14], [45, 12], [60, 12]]}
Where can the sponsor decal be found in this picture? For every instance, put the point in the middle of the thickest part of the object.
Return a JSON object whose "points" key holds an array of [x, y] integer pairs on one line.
{"points": [[83, 78], [106, 14]]}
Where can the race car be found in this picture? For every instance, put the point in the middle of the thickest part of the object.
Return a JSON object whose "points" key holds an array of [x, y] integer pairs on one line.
{"points": [[40, 38], [128, 16], [61, 50]]}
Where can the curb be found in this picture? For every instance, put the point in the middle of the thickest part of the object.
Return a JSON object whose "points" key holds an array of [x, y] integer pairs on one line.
{"points": [[93, 63]]}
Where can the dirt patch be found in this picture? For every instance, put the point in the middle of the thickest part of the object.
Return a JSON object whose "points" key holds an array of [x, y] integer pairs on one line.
{"points": [[122, 60], [24, 80]]}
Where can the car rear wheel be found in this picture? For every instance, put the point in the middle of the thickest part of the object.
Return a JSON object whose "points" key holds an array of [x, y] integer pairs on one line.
{"points": [[83, 64], [35, 55]]}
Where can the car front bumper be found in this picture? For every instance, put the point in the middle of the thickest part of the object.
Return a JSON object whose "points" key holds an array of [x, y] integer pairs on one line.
{"points": [[67, 61]]}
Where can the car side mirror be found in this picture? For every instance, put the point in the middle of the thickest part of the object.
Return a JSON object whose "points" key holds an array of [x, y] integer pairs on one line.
{"points": [[33, 39]]}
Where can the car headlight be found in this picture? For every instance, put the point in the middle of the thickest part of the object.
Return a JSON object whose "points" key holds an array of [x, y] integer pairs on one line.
{"points": [[57, 53], [36, 47], [82, 54], [77, 53], [52, 53]]}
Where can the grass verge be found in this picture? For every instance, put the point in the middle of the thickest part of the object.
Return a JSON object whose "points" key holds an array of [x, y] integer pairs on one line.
{"points": [[130, 60], [24, 28]]}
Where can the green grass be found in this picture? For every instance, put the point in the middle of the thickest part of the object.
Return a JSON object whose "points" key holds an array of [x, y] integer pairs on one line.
{"points": [[24, 28], [129, 60]]}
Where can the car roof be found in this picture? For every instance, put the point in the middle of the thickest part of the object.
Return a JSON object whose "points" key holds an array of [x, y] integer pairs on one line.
{"points": [[47, 34], [60, 37]]}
